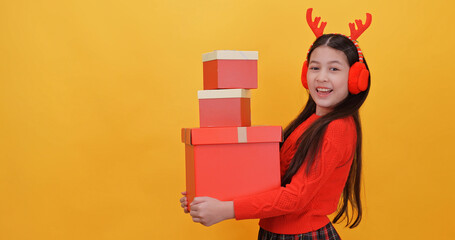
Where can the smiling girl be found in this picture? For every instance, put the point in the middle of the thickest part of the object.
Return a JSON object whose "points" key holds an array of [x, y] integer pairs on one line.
{"points": [[321, 156]]}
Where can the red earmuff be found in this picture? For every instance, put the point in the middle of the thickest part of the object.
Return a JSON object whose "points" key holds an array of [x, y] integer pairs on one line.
{"points": [[304, 72], [358, 78]]}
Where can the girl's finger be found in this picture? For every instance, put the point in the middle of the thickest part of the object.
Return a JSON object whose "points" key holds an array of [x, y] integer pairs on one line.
{"points": [[198, 200], [194, 213], [185, 210], [194, 208], [196, 219], [184, 193]]}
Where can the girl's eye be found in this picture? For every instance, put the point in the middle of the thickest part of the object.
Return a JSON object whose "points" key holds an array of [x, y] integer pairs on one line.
{"points": [[334, 69], [314, 68]]}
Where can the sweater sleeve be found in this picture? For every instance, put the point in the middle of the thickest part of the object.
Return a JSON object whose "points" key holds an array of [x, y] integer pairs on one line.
{"points": [[337, 148]]}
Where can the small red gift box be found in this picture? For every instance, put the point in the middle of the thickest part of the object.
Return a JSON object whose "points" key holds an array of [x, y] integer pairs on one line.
{"points": [[227, 69], [225, 163], [224, 108]]}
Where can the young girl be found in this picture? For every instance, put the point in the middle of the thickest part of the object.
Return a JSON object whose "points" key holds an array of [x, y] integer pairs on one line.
{"points": [[321, 155]]}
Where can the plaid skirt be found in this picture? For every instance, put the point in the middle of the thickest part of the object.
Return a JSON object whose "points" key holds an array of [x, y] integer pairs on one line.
{"points": [[327, 232]]}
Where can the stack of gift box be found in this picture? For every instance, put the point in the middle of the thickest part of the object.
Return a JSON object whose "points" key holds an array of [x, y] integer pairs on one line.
{"points": [[227, 157]]}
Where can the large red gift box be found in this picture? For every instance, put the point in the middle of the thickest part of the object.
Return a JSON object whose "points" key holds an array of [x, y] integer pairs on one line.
{"points": [[225, 163], [224, 108], [228, 69]]}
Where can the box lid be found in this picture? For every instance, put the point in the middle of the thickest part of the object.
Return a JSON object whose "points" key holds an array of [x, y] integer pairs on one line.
{"points": [[230, 55], [223, 93], [230, 135]]}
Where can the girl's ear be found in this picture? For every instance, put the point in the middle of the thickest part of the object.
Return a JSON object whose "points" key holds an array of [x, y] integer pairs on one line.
{"points": [[304, 72]]}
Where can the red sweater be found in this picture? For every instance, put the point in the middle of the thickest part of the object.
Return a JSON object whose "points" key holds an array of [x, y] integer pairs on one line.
{"points": [[303, 205]]}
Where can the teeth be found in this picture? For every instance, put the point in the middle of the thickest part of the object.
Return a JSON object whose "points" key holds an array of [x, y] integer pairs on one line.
{"points": [[323, 89]]}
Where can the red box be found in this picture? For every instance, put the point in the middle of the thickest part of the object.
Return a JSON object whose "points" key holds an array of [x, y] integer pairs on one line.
{"points": [[224, 108], [225, 163], [228, 69]]}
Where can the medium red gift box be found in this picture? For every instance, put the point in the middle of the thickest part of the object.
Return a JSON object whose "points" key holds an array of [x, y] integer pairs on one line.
{"points": [[224, 108], [229, 69], [225, 163]]}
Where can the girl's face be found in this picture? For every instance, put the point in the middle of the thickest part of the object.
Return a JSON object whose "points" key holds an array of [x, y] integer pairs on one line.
{"points": [[328, 72]]}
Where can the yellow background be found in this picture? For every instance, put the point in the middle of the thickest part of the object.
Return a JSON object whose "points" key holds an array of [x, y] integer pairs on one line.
{"points": [[93, 95]]}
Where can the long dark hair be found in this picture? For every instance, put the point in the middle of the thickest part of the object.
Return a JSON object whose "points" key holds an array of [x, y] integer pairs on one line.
{"points": [[311, 139]]}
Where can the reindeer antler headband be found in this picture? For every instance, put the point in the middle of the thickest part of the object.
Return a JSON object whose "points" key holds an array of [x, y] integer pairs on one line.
{"points": [[355, 33]]}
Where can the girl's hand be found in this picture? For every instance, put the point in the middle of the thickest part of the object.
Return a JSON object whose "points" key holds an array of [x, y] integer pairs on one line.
{"points": [[208, 211], [184, 203]]}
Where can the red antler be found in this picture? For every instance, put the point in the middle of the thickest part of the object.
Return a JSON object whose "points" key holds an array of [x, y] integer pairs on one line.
{"points": [[360, 27], [318, 31]]}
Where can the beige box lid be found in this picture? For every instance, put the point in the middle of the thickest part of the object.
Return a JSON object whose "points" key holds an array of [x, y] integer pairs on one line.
{"points": [[223, 93], [230, 55]]}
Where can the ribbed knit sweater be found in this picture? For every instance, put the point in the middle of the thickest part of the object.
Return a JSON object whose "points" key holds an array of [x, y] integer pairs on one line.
{"points": [[303, 205]]}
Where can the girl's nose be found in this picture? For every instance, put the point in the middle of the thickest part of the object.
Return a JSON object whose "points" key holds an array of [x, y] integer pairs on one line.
{"points": [[322, 76]]}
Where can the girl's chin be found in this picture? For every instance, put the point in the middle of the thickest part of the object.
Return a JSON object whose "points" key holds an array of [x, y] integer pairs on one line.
{"points": [[324, 103]]}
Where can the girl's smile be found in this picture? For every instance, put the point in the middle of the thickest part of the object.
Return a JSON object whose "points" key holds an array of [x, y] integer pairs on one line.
{"points": [[323, 92], [328, 72]]}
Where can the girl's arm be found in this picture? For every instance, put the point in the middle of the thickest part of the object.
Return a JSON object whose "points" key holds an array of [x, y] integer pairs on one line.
{"points": [[336, 154]]}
